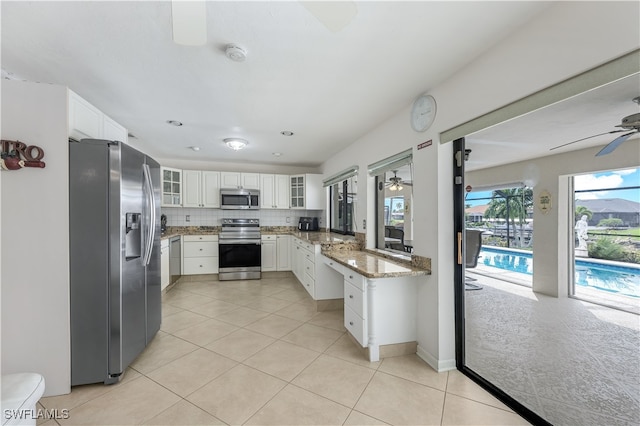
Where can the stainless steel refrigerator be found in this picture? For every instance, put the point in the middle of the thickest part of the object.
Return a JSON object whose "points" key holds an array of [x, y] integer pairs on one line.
{"points": [[114, 227]]}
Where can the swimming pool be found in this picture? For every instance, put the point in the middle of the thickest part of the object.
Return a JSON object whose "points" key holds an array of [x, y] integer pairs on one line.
{"points": [[611, 278]]}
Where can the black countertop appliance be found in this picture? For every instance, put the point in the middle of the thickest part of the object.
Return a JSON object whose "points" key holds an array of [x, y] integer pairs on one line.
{"points": [[308, 224]]}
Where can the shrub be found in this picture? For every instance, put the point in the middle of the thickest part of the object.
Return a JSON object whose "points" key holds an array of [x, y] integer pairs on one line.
{"points": [[612, 222], [607, 249]]}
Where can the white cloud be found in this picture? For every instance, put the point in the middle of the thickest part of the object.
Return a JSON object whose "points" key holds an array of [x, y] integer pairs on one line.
{"points": [[583, 182], [625, 172]]}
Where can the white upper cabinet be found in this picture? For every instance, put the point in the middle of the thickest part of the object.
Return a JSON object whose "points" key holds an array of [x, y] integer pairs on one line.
{"points": [[282, 191], [230, 180], [240, 180], [307, 192], [112, 131], [201, 189], [250, 180], [274, 191], [211, 189], [171, 187], [87, 121]]}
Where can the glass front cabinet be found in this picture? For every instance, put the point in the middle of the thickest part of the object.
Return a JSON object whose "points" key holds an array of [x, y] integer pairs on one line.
{"points": [[297, 192], [171, 187]]}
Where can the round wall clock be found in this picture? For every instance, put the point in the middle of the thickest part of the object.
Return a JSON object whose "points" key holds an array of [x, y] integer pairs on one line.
{"points": [[423, 113]]}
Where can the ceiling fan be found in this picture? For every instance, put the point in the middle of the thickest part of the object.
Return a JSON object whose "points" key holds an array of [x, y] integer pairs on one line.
{"points": [[630, 122], [395, 183], [189, 18]]}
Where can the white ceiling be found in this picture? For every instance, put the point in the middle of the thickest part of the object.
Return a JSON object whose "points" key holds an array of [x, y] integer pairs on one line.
{"points": [[533, 135], [329, 87]]}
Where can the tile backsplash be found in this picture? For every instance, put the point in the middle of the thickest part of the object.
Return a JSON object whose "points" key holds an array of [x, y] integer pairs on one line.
{"points": [[177, 216]]}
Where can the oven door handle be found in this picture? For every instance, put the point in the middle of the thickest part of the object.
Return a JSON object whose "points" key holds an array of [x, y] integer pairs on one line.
{"points": [[239, 241]]}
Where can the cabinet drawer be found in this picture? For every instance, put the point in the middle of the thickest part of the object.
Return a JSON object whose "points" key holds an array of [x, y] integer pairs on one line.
{"points": [[354, 299], [308, 246], [308, 255], [356, 326], [334, 265], [268, 238], [354, 279], [309, 284], [187, 238], [200, 265], [200, 249], [309, 267]]}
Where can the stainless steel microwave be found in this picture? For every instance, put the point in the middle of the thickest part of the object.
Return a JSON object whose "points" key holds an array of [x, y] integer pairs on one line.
{"points": [[239, 199]]}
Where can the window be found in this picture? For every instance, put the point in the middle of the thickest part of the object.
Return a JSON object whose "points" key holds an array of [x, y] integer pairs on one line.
{"points": [[343, 198], [394, 201]]}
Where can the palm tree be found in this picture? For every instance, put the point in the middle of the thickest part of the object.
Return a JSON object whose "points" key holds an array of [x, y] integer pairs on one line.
{"points": [[511, 204], [582, 210]]}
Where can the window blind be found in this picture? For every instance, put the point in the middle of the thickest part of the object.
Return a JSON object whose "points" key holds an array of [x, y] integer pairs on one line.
{"points": [[391, 163], [339, 177]]}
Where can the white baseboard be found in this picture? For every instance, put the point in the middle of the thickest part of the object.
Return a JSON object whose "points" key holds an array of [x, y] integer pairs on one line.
{"points": [[439, 366]]}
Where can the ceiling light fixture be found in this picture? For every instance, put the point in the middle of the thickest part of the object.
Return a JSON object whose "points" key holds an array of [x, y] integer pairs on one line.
{"points": [[235, 53], [276, 154], [395, 187], [286, 133], [174, 123], [195, 148], [236, 143]]}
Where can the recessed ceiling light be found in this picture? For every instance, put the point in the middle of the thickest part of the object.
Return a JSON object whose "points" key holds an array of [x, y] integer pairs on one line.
{"points": [[236, 143], [235, 53], [195, 148], [286, 133], [174, 123], [276, 154]]}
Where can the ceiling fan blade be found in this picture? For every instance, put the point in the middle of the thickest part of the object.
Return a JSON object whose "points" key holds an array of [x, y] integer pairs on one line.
{"points": [[583, 139], [615, 143], [189, 19], [335, 15]]}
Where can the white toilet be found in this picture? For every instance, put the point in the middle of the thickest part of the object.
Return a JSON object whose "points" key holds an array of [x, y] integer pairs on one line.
{"points": [[20, 393]]}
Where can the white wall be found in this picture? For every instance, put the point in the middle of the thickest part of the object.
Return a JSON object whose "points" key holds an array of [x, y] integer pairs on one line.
{"points": [[551, 233], [557, 45], [35, 238]]}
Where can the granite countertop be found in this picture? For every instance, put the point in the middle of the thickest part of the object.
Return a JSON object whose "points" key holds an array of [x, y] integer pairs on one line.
{"points": [[322, 237], [373, 266]]}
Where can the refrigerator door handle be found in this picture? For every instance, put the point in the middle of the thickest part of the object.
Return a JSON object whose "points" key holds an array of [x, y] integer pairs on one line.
{"points": [[152, 213]]}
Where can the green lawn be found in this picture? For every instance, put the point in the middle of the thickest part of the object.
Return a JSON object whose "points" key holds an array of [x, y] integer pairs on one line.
{"points": [[635, 232]]}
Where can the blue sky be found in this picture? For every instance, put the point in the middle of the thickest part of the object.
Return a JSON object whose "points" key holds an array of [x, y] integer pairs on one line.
{"points": [[605, 180]]}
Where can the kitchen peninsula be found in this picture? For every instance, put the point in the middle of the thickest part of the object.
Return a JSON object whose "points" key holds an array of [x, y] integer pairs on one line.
{"points": [[377, 291]]}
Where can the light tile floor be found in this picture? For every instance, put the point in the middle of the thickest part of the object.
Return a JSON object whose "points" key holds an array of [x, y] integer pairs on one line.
{"points": [[257, 353], [570, 361]]}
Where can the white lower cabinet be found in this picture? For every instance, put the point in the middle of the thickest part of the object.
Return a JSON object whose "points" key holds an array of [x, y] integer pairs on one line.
{"points": [[269, 254], [378, 311], [199, 254], [164, 264], [283, 252], [318, 279]]}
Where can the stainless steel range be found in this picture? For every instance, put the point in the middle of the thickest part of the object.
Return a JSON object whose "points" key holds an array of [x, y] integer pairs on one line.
{"points": [[240, 251]]}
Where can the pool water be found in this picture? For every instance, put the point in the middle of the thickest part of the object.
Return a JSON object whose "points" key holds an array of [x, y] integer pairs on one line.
{"points": [[614, 279]]}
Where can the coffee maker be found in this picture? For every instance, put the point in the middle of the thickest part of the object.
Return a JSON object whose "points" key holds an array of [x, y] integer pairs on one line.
{"points": [[308, 224]]}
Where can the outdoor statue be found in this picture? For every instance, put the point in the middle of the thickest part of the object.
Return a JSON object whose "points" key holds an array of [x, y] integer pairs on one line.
{"points": [[581, 230]]}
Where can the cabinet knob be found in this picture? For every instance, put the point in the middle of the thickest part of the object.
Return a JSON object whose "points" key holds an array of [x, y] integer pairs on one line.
{"points": [[350, 277], [351, 296], [350, 322]]}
